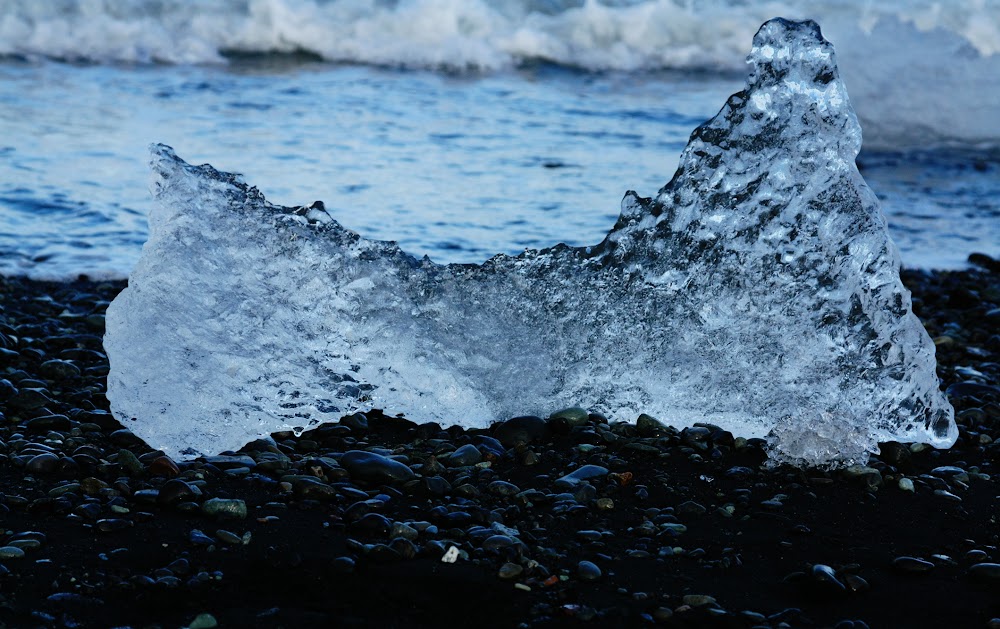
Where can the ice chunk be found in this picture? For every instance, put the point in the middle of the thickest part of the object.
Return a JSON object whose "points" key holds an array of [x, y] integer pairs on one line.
{"points": [[758, 291]]}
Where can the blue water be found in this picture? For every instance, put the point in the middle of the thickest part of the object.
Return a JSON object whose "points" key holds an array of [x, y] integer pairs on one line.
{"points": [[475, 131]]}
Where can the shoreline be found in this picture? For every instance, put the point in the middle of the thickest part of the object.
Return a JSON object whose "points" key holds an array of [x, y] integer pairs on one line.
{"points": [[685, 527]]}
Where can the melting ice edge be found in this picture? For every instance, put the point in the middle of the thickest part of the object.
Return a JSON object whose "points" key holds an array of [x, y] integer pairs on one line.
{"points": [[759, 291]]}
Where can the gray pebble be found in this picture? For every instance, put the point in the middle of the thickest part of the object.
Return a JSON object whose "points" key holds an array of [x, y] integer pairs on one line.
{"points": [[510, 571], [45, 463], [520, 430], [11, 552], [588, 571], [986, 571], [582, 473], [503, 488], [827, 577], [375, 468], [573, 416], [228, 537], [464, 456], [912, 564]]}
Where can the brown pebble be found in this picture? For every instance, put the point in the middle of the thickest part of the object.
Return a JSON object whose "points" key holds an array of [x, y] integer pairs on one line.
{"points": [[164, 466]]}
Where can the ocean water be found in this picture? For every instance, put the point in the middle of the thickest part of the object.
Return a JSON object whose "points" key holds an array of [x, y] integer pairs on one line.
{"points": [[461, 128]]}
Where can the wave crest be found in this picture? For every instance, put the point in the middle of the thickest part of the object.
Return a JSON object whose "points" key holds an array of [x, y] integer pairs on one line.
{"points": [[936, 79]]}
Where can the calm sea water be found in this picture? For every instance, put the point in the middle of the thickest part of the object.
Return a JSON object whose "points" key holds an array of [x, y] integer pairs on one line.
{"points": [[460, 129]]}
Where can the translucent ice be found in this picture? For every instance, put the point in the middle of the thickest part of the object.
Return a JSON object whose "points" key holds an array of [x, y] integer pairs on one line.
{"points": [[758, 291]]}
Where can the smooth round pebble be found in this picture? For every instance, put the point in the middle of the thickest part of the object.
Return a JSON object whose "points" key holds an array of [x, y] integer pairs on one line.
{"points": [[11, 552], [588, 571], [912, 564], [985, 571]]}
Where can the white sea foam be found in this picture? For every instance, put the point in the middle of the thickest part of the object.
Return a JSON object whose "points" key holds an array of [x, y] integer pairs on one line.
{"points": [[937, 78]]}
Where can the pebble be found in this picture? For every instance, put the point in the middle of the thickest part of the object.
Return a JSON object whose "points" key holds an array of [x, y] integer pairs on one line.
{"points": [[225, 508], [691, 508], [496, 542], [404, 531], [375, 468], [663, 614], [343, 565], [29, 400], [698, 600], [572, 416], [582, 473], [164, 466], [951, 472], [110, 525], [649, 426], [912, 564], [93, 486], [604, 504], [986, 571], [204, 621], [588, 571], [520, 431], [59, 370], [45, 463], [465, 456], [198, 537], [11, 552], [225, 462], [310, 488], [174, 491], [856, 583], [947, 495], [868, 475], [67, 488], [357, 422], [130, 462], [827, 577], [510, 571], [503, 488], [125, 438], [228, 537], [374, 524], [906, 484]]}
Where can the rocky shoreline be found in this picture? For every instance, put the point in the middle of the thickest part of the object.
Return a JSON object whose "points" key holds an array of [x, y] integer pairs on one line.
{"points": [[563, 521]]}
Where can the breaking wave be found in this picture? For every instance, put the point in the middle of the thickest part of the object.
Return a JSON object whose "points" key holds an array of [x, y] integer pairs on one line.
{"points": [[918, 71]]}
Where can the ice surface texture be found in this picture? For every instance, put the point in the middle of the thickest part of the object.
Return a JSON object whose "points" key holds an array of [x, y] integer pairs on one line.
{"points": [[758, 291]]}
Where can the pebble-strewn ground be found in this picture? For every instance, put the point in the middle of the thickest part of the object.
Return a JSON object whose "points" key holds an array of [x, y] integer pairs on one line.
{"points": [[561, 521]]}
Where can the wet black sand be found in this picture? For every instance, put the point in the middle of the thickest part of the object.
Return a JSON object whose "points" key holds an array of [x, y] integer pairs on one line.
{"points": [[109, 532]]}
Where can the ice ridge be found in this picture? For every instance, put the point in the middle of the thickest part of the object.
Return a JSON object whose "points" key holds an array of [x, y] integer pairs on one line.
{"points": [[758, 291]]}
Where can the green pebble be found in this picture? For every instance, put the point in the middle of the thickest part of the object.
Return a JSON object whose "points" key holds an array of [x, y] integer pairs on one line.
{"points": [[64, 489], [129, 461], [228, 537], [204, 621], [225, 508]]}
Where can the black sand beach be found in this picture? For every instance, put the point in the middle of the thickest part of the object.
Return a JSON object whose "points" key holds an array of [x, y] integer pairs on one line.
{"points": [[673, 528]]}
